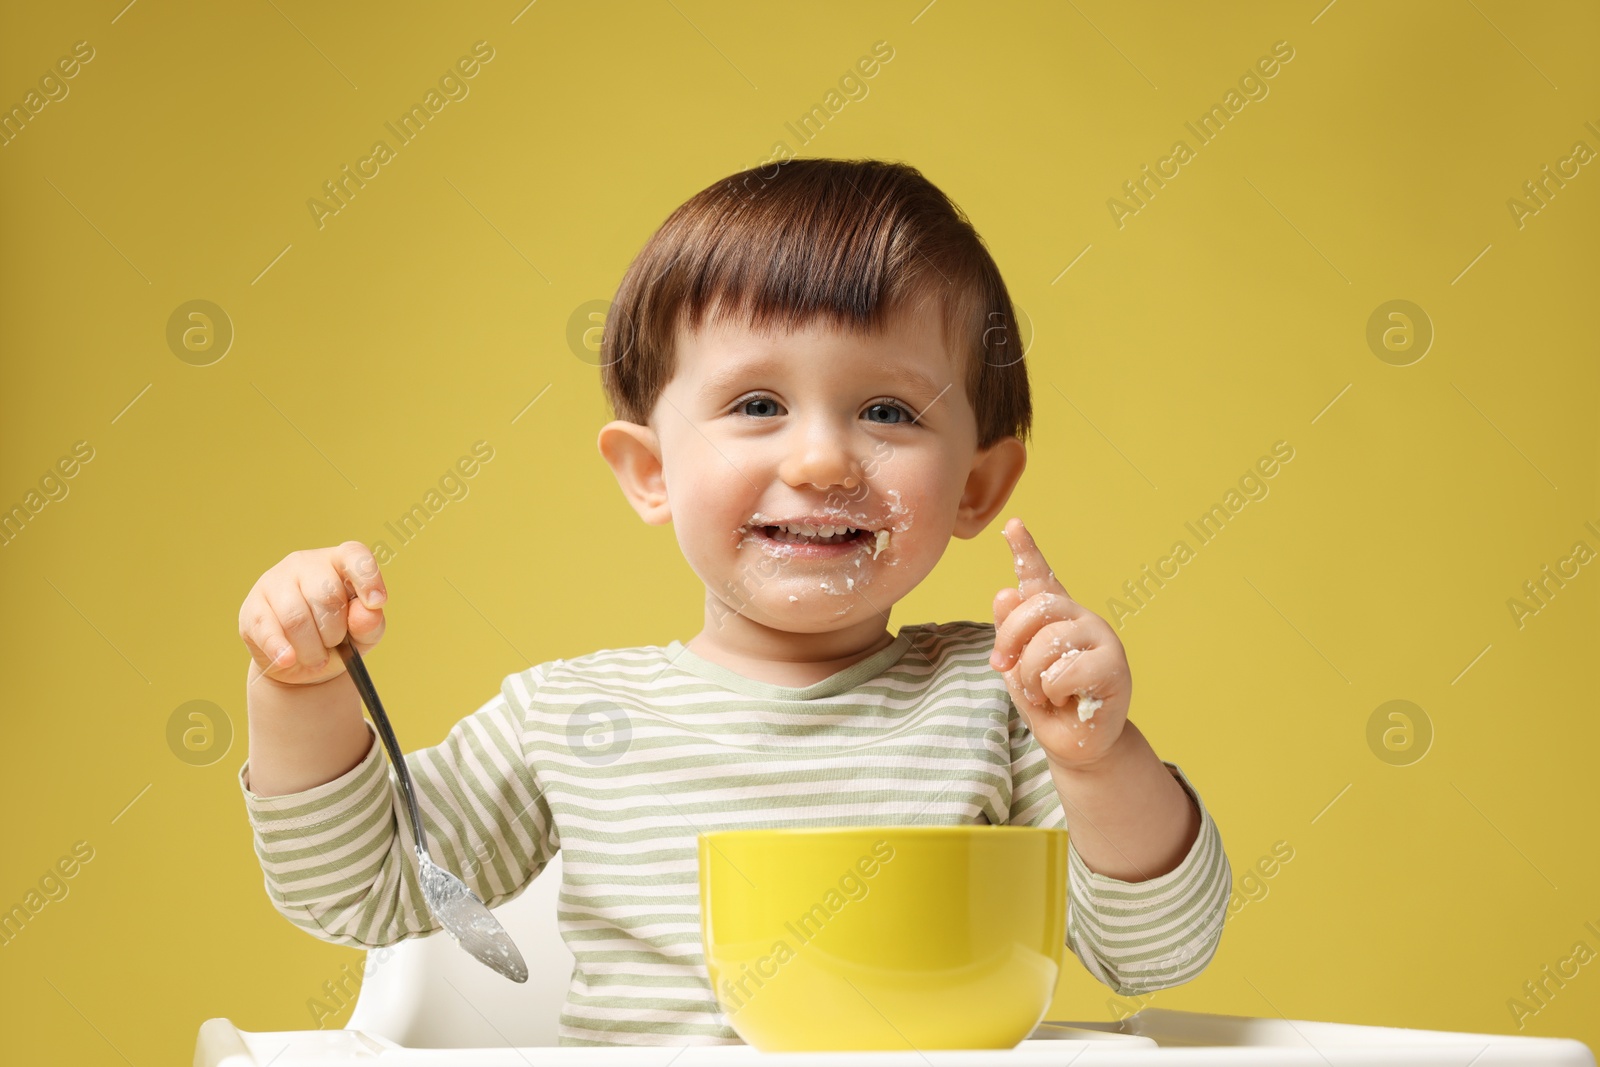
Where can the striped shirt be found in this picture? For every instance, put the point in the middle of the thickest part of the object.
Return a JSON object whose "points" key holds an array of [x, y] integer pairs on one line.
{"points": [[621, 757]]}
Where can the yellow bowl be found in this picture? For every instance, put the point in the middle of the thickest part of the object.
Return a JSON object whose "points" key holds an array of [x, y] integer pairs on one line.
{"points": [[884, 937]]}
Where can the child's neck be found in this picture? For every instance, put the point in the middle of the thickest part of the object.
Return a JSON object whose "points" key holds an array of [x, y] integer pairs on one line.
{"points": [[783, 657]]}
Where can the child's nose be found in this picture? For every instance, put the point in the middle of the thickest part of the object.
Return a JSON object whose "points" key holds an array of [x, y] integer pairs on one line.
{"points": [[820, 458]]}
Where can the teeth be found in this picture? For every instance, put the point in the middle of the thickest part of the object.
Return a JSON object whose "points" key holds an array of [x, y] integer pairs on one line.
{"points": [[820, 534], [803, 530]]}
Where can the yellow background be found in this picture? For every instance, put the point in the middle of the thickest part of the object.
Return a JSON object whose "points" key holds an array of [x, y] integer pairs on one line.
{"points": [[1226, 315]]}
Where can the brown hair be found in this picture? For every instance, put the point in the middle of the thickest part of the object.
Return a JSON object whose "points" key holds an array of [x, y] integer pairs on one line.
{"points": [[855, 241]]}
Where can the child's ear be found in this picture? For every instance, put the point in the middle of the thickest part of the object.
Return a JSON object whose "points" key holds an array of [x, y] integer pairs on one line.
{"points": [[634, 455], [995, 473]]}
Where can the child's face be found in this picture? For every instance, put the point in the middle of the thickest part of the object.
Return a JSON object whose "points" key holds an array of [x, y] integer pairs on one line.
{"points": [[874, 433]]}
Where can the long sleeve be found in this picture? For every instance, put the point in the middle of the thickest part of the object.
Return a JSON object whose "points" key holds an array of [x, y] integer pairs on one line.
{"points": [[1138, 937], [1135, 937], [339, 858]]}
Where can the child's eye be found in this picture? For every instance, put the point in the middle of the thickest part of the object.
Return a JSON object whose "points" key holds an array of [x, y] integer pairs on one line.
{"points": [[768, 405], [886, 406]]}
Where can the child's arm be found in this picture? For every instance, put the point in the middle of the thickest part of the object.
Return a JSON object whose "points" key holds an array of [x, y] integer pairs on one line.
{"points": [[1130, 818], [322, 800], [1138, 934], [339, 860], [1144, 850]]}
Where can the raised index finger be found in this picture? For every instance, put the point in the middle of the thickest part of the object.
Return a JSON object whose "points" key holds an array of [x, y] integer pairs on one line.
{"points": [[1033, 573]]}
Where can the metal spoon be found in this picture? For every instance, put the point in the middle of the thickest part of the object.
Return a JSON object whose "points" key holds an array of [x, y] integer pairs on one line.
{"points": [[457, 908]]}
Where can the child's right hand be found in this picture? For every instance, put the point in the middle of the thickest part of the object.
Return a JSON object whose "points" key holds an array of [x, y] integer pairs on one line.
{"points": [[302, 607]]}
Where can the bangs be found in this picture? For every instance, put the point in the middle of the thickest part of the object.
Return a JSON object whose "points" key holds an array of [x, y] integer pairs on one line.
{"points": [[853, 243]]}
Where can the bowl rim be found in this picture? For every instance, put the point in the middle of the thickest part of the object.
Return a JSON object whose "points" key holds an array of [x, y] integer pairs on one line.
{"points": [[967, 830]]}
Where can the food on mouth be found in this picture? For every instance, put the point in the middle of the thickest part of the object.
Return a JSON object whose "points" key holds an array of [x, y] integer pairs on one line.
{"points": [[829, 527], [807, 534], [813, 535]]}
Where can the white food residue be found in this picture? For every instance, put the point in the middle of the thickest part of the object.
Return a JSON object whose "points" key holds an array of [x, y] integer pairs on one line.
{"points": [[1087, 705], [883, 541]]}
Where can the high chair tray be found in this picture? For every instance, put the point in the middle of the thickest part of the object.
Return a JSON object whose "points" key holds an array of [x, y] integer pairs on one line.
{"points": [[1155, 1037]]}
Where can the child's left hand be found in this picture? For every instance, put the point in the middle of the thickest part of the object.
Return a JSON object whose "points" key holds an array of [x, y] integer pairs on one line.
{"points": [[1050, 649]]}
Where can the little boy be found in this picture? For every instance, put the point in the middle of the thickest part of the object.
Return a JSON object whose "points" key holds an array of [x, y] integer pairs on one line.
{"points": [[817, 382]]}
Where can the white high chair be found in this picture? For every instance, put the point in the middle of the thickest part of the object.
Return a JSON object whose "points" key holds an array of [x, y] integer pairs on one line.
{"points": [[425, 992]]}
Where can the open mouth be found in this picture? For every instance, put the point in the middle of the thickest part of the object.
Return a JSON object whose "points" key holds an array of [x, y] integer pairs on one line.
{"points": [[810, 538], [796, 533]]}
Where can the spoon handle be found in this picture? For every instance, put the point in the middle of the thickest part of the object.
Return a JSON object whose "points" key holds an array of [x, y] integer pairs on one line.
{"points": [[369, 696]]}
